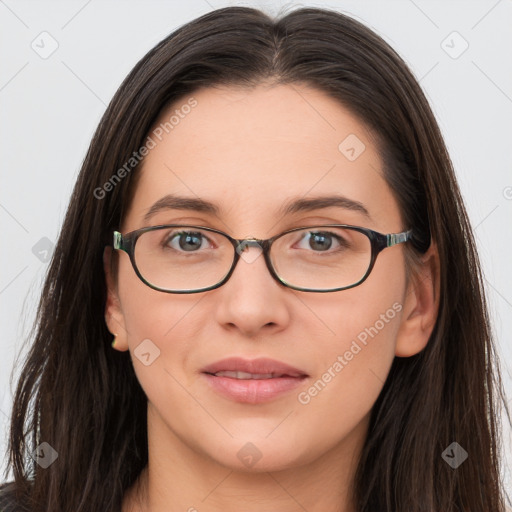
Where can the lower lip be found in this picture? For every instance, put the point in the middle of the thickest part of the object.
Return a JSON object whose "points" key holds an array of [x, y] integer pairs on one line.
{"points": [[253, 391]]}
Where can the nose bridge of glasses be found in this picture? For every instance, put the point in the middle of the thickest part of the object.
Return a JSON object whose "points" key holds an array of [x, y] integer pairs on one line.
{"points": [[245, 243], [243, 246], [259, 248]]}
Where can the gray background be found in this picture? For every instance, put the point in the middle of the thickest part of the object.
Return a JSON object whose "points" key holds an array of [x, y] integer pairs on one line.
{"points": [[50, 107]]}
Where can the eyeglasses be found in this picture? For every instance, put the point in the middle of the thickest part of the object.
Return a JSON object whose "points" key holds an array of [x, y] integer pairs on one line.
{"points": [[179, 258]]}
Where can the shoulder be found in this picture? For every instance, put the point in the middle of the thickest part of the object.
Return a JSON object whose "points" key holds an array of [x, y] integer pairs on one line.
{"points": [[8, 502]]}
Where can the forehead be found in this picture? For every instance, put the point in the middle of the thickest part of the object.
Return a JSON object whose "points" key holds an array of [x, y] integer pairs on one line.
{"points": [[251, 150], [252, 123]]}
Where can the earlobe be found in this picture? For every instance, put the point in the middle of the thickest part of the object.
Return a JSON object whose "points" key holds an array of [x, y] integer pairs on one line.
{"points": [[114, 317], [421, 305]]}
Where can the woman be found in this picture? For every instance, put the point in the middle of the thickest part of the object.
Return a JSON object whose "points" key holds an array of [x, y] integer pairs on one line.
{"points": [[268, 223]]}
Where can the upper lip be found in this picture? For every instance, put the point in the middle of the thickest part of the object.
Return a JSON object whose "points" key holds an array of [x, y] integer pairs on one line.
{"points": [[261, 365]]}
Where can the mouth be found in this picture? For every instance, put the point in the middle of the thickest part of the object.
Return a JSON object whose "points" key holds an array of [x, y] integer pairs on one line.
{"points": [[248, 376], [261, 368], [252, 381]]}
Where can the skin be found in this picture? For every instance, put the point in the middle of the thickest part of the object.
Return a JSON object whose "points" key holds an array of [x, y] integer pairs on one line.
{"points": [[248, 151]]}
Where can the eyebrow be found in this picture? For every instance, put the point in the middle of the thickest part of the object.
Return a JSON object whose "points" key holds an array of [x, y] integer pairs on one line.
{"points": [[175, 202]]}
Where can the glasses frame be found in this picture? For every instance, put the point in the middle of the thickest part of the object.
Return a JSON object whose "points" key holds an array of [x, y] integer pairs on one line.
{"points": [[378, 241]]}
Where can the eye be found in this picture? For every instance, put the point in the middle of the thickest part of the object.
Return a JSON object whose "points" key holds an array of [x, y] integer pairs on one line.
{"points": [[188, 241], [321, 241]]}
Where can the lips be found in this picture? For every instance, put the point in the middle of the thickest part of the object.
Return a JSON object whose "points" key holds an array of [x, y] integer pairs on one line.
{"points": [[246, 375], [263, 368], [252, 381]]}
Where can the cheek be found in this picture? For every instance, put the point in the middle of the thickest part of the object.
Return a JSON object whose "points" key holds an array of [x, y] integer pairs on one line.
{"points": [[350, 373], [354, 361], [161, 338], [158, 328], [352, 367], [150, 313]]}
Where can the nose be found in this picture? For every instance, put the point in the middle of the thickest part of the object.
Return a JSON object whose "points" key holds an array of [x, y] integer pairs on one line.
{"points": [[252, 299]]}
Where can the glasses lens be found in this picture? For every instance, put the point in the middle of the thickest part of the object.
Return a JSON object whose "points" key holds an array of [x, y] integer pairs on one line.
{"points": [[322, 258], [183, 258]]}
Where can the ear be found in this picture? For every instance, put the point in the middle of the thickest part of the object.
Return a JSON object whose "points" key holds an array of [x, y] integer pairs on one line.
{"points": [[114, 316], [420, 305]]}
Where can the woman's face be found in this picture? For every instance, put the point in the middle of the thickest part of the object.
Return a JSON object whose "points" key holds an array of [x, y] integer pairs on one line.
{"points": [[249, 153]]}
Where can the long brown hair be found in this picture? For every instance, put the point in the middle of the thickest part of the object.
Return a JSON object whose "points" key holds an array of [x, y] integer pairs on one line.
{"points": [[83, 398]]}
